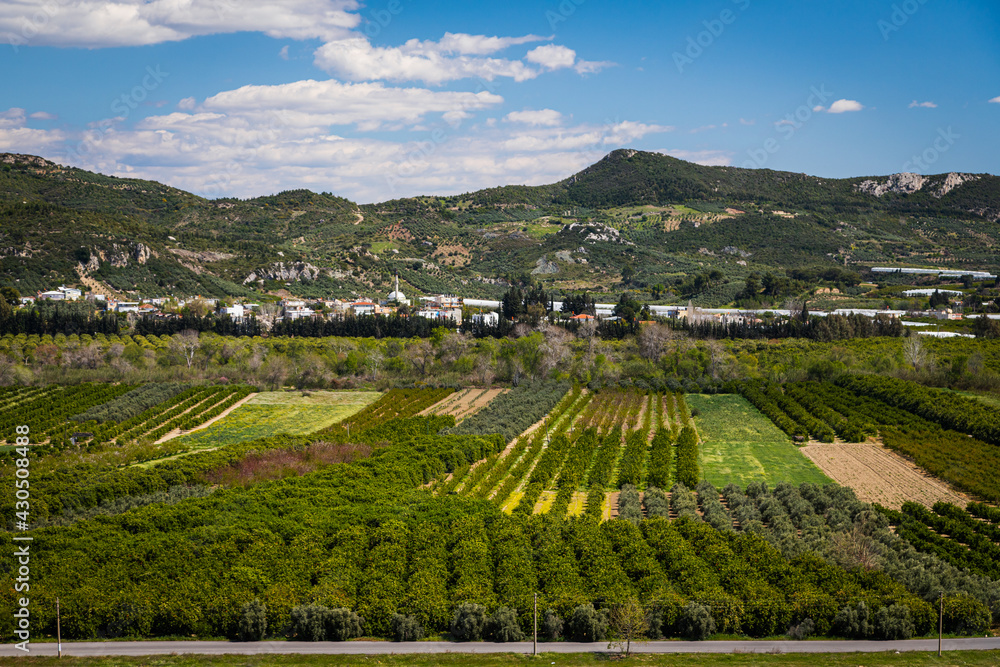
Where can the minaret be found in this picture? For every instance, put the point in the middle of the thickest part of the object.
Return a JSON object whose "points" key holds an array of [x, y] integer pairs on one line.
{"points": [[397, 284]]}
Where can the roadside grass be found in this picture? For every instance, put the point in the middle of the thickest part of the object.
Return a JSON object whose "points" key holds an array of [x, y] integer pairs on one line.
{"points": [[275, 412], [886, 659], [741, 445]]}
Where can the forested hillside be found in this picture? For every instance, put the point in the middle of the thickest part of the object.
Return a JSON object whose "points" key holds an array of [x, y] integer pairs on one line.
{"points": [[634, 220]]}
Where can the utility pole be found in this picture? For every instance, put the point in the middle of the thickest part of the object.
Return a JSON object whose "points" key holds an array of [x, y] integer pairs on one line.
{"points": [[534, 640], [940, 621], [58, 631]]}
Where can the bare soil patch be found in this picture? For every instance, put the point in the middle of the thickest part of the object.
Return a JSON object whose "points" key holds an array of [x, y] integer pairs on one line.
{"points": [[879, 475]]}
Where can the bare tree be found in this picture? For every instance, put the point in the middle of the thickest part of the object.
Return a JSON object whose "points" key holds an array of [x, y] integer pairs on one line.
{"points": [[257, 357], [373, 362], [187, 342], [267, 314], [628, 623], [275, 372], [855, 547], [587, 330], [421, 356], [914, 352], [652, 339], [717, 357]]}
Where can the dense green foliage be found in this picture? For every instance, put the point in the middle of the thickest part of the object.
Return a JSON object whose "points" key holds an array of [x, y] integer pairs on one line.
{"points": [[511, 413], [948, 409], [687, 457]]}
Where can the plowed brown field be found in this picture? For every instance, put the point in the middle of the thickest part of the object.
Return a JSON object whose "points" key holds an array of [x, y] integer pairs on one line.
{"points": [[878, 475]]}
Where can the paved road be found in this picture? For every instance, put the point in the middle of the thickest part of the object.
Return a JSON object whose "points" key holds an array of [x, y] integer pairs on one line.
{"points": [[374, 648]]}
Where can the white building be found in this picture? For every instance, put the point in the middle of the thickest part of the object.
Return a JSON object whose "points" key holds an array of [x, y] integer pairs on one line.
{"points": [[236, 312], [398, 296], [362, 307], [490, 319], [127, 307]]}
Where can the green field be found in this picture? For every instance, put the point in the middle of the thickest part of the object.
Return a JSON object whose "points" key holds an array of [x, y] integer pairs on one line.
{"points": [[741, 445], [273, 412], [379, 247]]}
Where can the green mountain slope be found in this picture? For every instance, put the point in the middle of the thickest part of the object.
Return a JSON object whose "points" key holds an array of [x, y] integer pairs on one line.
{"points": [[658, 219]]}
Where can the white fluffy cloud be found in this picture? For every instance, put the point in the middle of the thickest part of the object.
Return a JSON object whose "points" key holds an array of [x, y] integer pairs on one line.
{"points": [[841, 106], [244, 143], [996, 100], [554, 56], [926, 105], [551, 56], [591, 140], [708, 158], [16, 137], [546, 117], [106, 23], [13, 117], [368, 105], [455, 56]]}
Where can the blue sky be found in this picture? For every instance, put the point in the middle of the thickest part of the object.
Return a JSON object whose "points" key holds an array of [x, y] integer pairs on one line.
{"points": [[397, 97]]}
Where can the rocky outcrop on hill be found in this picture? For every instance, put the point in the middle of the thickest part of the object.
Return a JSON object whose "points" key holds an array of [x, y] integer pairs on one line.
{"points": [[952, 181], [118, 255], [292, 272], [904, 183], [29, 160], [908, 183], [543, 266]]}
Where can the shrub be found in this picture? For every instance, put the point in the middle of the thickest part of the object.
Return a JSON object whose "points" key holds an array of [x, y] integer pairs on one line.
{"points": [[405, 628], [314, 622], [654, 621], [503, 626], [342, 624], [965, 615], [803, 630], [469, 622], [586, 624], [853, 622], [629, 504], [308, 622], [696, 621], [252, 625], [551, 627], [656, 502], [893, 622]]}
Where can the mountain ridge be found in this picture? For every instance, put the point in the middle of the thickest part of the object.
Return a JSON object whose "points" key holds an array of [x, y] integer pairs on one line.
{"points": [[663, 217]]}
